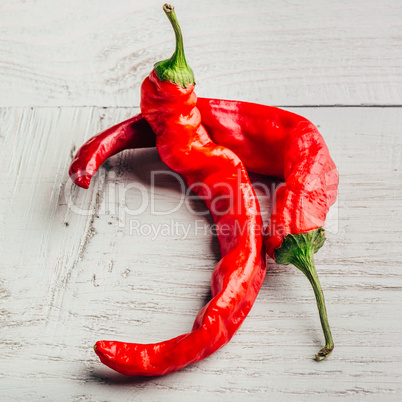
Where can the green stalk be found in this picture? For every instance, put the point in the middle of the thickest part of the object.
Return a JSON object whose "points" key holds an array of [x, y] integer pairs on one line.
{"points": [[299, 250], [175, 69]]}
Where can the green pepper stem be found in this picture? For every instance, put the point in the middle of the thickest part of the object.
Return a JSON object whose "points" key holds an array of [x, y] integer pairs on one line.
{"points": [[299, 249], [309, 270], [178, 56], [175, 69]]}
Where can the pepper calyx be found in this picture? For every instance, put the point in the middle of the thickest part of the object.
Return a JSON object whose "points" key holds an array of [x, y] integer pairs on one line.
{"points": [[299, 249]]}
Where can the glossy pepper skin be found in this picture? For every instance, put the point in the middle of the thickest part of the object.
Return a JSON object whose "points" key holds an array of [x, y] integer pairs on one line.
{"points": [[218, 175]]}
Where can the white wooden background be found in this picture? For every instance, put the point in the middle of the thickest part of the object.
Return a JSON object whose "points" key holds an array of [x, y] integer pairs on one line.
{"points": [[69, 69]]}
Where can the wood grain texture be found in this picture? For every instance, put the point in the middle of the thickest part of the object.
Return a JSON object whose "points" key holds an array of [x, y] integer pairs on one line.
{"points": [[96, 53], [68, 279], [78, 266]]}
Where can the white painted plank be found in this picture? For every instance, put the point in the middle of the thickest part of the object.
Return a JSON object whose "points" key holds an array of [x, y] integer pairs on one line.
{"points": [[67, 280], [280, 53]]}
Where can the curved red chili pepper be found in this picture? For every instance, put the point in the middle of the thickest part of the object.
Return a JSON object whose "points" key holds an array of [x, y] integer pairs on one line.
{"points": [[269, 141], [274, 142], [214, 172]]}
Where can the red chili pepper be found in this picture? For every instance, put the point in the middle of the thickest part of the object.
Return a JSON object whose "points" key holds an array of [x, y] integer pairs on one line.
{"points": [[215, 173], [269, 141], [295, 151]]}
